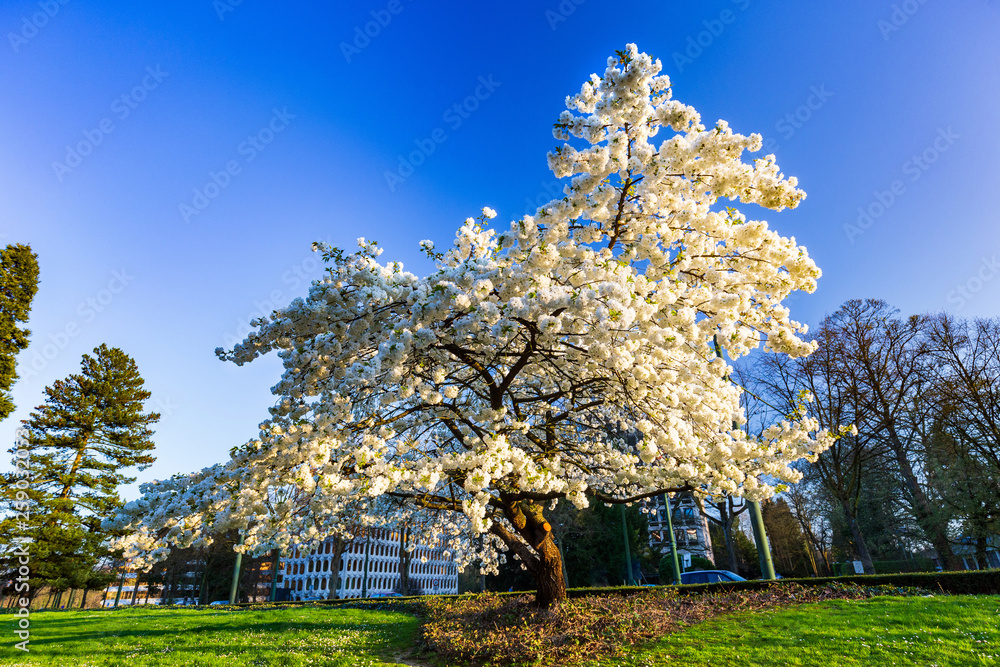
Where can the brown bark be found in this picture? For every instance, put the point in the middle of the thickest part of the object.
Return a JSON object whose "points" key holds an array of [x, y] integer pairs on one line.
{"points": [[812, 558], [536, 549], [338, 552], [727, 517], [734, 561], [982, 562], [858, 538], [932, 526], [404, 562]]}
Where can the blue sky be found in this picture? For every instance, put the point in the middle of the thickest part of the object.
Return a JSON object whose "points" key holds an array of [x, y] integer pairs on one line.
{"points": [[171, 165]]}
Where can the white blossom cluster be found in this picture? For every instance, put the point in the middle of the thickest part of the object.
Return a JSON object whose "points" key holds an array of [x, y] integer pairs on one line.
{"points": [[572, 355]]}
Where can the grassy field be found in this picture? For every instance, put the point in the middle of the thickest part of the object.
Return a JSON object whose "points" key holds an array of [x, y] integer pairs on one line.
{"points": [[164, 637], [960, 631]]}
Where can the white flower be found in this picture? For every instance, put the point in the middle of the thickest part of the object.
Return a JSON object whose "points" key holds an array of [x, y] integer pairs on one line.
{"points": [[581, 341]]}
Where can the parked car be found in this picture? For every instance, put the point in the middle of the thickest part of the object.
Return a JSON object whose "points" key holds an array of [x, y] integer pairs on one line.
{"points": [[709, 577]]}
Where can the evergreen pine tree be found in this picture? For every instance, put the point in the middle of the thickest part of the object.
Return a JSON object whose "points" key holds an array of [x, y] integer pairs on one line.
{"points": [[18, 284], [90, 431]]}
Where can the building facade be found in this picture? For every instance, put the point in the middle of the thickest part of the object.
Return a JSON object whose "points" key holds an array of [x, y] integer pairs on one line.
{"points": [[185, 585], [690, 527], [308, 576]]}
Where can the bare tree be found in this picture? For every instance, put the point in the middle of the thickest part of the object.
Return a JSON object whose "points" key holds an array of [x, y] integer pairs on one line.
{"points": [[963, 453], [886, 368], [841, 468], [806, 501]]}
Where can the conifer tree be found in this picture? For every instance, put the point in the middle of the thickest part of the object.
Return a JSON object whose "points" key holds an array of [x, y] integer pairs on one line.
{"points": [[18, 284], [91, 430]]}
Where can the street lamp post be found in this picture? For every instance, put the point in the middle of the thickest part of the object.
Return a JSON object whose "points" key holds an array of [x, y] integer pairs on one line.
{"points": [[673, 541], [763, 545], [274, 575], [756, 517], [233, 589], [628, 553], [364, 581]]}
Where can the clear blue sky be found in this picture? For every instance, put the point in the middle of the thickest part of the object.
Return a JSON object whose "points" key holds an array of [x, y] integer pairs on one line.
{"points": [[112, 115]]}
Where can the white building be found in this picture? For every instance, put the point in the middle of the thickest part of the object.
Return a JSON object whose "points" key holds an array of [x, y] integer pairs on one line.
{"points": [[309, 576], [690, 527]]}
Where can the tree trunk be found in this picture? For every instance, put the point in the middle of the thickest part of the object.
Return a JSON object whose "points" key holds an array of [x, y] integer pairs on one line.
{"points": [[981, 562], [404, 563], [83, 604], [203, 591], [858, 538], [171, 591], [338, 553], [809, 554], [727, 531], [549, 576], [535, 547], [932, 526]]}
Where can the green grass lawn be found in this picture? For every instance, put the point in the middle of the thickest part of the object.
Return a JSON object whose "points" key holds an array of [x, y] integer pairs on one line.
{"points": [[163, 637], [960, 631]]}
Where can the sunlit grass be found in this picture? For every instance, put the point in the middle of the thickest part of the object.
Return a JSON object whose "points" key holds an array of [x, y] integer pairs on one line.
{"points": [[941, 631], [328, 637]]}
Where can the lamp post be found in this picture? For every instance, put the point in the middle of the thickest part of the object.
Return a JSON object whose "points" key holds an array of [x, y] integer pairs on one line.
{"points": [[236, 573], [756, 517], [364, 581], [274, 576], [628, 553], [760, 537], [673, 541]]}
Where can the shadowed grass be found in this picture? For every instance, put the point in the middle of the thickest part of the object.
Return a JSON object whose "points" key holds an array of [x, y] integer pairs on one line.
{"points": [[292, 637]]}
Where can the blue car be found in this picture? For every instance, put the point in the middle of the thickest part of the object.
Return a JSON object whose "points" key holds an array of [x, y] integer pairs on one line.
{"points": [[709, 577]]}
